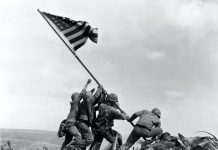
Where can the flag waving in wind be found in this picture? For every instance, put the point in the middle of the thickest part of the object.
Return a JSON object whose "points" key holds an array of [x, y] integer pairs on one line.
{"points": [[76, 32]]}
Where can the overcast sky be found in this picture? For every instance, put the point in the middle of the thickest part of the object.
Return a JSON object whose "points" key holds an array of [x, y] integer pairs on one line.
{"points": [[151, 53]]}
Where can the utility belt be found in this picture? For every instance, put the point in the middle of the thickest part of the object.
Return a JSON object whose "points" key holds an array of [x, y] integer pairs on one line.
{"points": [[103, 126], [71, 122], [141, 126], [84, 121]]}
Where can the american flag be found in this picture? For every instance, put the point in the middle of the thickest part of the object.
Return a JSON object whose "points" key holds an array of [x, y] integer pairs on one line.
{"points": [[76, 32]]}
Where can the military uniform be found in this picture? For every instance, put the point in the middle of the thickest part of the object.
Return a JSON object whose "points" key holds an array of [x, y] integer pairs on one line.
{"points": [[72, 131], [104, 124], [147, 126], [85, 117]]}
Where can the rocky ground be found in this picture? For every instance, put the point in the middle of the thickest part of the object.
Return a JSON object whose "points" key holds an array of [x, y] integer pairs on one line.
{"points": [[30, 139], [37, 140]]}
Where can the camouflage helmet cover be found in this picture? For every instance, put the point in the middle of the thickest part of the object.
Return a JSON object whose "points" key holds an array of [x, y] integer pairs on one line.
{"points": [[157, 112], [113, 97], [74, 95]]}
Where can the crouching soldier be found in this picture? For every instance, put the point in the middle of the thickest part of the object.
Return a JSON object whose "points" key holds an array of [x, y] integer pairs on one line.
{"points": [[105, 121], [147, 126]]}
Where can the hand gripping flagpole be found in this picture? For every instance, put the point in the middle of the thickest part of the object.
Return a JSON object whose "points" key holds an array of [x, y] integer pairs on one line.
{"points": [[74, 53], [70, 48]]}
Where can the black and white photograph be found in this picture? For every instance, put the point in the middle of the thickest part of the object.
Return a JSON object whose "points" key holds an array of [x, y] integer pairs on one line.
{"points": [[109, 75]]}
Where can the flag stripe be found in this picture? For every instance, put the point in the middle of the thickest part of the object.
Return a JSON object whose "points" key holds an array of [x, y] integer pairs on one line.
{"points": [[94, 35], [74, 26], [78, 46], [72, 41], [76, 30], [75, 35], [83, 40], [80, 36], [69, 29]]}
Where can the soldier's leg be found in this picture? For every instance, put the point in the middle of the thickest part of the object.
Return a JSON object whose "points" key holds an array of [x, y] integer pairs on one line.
{"points": [[110, 136], [67, 140], [155, 132], [73, 130], [119, 139], [96, 144], [133, 137], [87, 137]]}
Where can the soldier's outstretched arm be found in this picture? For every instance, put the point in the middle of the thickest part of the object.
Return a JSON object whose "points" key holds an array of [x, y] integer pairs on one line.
{"points": [[121, 110], [118, 115], [98, 92], [85, 88], [135, 115], [87, 83]]}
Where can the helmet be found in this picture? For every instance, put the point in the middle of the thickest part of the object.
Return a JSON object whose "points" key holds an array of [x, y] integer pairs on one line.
{"points": [[157, 112], [113, 97], [74, 95], [165, 136]]}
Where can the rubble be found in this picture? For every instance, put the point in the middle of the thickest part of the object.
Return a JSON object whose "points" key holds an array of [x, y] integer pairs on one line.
{"points": [[168, 142]]}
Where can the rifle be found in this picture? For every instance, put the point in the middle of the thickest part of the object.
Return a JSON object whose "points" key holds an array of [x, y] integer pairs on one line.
{"points": [[118, 107], [124, 113]]}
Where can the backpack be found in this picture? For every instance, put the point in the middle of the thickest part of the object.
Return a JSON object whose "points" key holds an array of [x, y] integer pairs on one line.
{"points": [[62, 129]]}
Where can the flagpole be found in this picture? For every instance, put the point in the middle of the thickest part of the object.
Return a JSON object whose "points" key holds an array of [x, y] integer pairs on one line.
{"points": [[70, 48], [73, 52]]}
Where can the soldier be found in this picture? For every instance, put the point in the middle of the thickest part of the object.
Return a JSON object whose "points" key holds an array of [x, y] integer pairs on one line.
{"points": [[71, 129], [147, 126], [85, 118], [105, 121]]}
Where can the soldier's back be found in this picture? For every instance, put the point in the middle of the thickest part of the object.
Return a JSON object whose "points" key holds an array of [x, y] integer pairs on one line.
{"points": [[103, 120], [74, 108], [147, 119], [83, 111]]}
